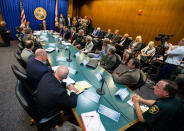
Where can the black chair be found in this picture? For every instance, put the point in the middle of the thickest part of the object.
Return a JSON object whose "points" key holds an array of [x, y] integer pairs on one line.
{"points": [[24, 79], [20, 60], [29, 106], [20, 46]]}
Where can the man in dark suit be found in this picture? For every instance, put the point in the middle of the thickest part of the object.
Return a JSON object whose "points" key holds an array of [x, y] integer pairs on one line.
{"points": [[66, 33], [36, 67], [68, 21], [124, 43], [52, 94], [73, 34], [56, 28], [5, 34], [116, 37], [108, 34], [43, 26]]}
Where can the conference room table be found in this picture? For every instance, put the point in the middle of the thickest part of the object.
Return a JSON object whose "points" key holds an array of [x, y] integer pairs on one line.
{"points": [[128, 115]]}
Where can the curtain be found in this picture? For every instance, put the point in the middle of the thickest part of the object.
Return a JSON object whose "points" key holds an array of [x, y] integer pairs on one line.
{"points": [[11, 12]]}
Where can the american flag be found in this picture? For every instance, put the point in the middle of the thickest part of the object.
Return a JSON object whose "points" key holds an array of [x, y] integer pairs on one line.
{"points": [[23, 17], [56, 12]]}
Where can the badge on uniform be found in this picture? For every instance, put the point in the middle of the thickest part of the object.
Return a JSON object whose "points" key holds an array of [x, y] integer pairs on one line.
{"points": [[154, 109]]}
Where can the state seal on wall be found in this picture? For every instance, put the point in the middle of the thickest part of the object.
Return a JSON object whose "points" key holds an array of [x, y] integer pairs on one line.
{"points": [[40, 13]]}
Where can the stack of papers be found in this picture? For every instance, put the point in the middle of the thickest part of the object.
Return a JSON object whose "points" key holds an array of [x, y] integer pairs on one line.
{"points": [[50, 49], [91, 121], [109, 113], [123, 93], [82, 85]]}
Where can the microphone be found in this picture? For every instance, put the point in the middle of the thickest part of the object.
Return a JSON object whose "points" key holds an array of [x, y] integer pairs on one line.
{"points": [[69, 54], [100, 90]]}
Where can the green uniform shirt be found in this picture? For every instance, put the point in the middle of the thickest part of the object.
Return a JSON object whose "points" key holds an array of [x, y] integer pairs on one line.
{"points": [[80, 40], [162, 115]]}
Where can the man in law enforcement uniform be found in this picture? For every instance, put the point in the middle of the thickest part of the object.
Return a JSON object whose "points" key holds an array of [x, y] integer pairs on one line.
{"points": [[80, 40], [165, 113]]}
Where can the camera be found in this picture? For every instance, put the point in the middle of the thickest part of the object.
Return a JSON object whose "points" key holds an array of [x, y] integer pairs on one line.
{"points": [[163, 37]]}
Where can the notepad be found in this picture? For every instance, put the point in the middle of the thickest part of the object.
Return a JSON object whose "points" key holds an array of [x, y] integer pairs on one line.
{"points": [[130, 102], [82, 85], [114, 115], [91, 121], [123, 93]]}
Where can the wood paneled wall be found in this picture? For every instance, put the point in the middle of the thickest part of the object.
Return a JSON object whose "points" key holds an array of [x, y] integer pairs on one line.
{"points": [[159, 16]]}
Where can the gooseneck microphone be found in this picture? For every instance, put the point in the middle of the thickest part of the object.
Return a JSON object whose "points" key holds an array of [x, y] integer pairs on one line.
{"points": [[100, 90], [69, 54]]}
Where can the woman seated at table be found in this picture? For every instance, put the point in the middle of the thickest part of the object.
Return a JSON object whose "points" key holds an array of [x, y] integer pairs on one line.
{"points": [[147, 52], [89, 45]]}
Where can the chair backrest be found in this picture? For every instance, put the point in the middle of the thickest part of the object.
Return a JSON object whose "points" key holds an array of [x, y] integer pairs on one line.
{"points": [[26, 101], [141, 82], [24, 79], [20, 60]]}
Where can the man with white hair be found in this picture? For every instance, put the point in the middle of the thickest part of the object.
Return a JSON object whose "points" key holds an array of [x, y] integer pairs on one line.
{"points": [[52, 94], [5, 34]]}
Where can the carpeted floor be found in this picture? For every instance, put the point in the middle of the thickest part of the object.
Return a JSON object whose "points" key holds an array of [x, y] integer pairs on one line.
{"points": [[12, 115]]}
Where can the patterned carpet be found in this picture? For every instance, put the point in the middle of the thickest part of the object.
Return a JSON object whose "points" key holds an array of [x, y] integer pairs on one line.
{"points": [[12, 115]]}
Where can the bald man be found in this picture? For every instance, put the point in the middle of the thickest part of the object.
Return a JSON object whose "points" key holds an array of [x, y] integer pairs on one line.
{"points": [[52, 94], [36, 66]]}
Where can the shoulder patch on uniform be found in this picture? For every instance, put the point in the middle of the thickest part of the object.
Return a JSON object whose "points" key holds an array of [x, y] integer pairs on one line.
{"points": [[154, 109]]}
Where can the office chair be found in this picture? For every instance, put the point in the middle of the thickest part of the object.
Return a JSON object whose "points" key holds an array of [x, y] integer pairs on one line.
{"points": [[30, 107], [20, 60]]}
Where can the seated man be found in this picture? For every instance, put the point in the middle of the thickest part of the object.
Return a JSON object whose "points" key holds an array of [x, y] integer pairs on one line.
{"points": [[80, 40], [128, 75], [98, 54], [43, 26], [5, 34], [73, 34], [108, 34], [27, 52], [27, 25], [124, 43], [36, 67], [164, 113], [52, 94], [66, 33], [174, 56], [89, 45], [97, 33], [135, 45], [115, 38], [108, 61]]}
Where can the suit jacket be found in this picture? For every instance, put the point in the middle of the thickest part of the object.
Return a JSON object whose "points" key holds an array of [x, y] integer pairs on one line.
{"points": [[35, 70], [52, 96], [88, 47], [73, 37], [108, 35], [67, 35], [6, 36], [67, 22], [56, 29], [135, 46], [27, 54], [62, 21], [116, 38], [125, 76], [108, 62], [42, 27], [126, 42]]}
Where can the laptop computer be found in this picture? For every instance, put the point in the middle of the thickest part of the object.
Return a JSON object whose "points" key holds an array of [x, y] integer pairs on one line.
{"points": [[92, 63]]}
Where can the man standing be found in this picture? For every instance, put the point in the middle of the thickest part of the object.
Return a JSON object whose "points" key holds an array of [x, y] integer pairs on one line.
{"points": [[52, 94], [163, 114]]}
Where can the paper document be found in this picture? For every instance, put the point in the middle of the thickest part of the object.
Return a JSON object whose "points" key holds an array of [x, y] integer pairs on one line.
{"points": [[92, 96], [144, 108], [77, 54], [50, 49], [69, 80], [66, 43], [85, 62], [52, 44], [72, 71], [98, 76], [60, 58], [130, 102], [114, 115], [123, 93], [82, 85], [91, 121]]}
